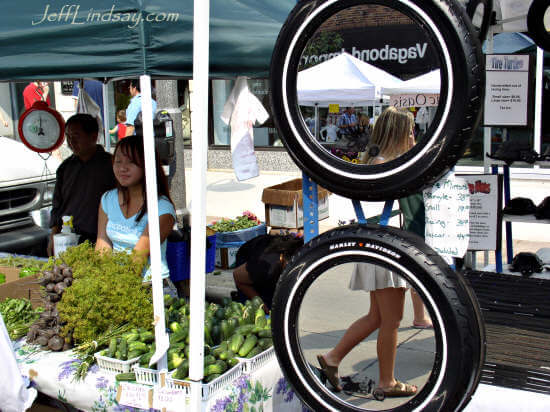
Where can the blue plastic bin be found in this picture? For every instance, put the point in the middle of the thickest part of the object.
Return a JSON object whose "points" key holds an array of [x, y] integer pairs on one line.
{"points": [[178, 257]]}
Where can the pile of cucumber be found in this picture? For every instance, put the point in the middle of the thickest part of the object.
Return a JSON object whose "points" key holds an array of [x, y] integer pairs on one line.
{"points": [[130, 345], [231, 330]]}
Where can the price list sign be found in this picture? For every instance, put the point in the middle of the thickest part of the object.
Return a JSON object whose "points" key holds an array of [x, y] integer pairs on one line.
{"points": [[506, 90]]}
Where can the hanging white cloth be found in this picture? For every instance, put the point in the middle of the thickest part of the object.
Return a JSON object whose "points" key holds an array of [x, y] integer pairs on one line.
{"points": [[16, 397], [241, 110], [87, 105]]}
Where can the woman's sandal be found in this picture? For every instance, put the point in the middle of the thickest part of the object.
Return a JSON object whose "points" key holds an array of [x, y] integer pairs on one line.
{"points": [[422, 325], [331, 373], [399, 389]]}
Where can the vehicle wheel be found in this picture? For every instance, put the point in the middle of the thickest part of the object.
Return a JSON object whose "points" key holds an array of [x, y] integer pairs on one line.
{"points": [[481, 19], [535, 23], [458, 53], [458, 328]]}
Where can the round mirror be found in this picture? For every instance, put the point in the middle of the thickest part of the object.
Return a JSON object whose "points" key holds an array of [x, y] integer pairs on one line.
{"points": [[362, 91], [357, 64], [538, 23], [370, 319]]}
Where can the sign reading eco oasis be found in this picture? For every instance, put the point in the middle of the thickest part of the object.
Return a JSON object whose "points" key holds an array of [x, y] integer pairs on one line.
{"points": [[506, 90]]}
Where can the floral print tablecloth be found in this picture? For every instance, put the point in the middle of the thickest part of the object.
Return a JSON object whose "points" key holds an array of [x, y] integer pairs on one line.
{"points": [[52, 374]]}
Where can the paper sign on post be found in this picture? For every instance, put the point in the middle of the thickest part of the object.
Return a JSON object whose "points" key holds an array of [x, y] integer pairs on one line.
{"points": [[169, 399], [136, 396], [334, 108], [447, 205]]}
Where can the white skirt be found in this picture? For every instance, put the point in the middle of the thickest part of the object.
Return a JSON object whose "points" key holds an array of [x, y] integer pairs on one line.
{"points": [[367, 277]]}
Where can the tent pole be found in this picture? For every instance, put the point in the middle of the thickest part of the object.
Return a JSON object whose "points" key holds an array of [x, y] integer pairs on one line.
{"points": [[537, 143], [199, 125], [161, 338], [316, 121], [105, 115]]}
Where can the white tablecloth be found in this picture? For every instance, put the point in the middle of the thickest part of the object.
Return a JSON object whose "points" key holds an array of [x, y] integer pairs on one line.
{"points": [[52, 374]]}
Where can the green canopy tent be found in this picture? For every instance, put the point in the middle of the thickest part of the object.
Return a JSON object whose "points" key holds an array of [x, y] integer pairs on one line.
{"points": [[107, 39], [57, 40]]}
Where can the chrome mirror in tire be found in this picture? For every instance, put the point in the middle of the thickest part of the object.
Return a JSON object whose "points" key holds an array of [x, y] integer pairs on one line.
{"points": [[366, 55]]}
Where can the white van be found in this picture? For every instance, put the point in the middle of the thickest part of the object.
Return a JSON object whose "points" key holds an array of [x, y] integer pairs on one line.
{"points": [[27, 181]]}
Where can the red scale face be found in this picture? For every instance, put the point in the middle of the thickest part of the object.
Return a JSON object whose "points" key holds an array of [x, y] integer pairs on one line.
{"points": [[41, 128]]}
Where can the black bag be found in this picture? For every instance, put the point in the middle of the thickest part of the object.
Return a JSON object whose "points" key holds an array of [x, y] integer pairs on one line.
{"points": [[513, 151], [520, 206], [527, 263], [543, 209]]}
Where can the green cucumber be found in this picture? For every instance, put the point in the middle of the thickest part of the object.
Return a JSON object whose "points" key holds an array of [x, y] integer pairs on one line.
{"points": [[228, 354], [210, 378], [146, 337], [245, 329], [137, 346], [134, 354], [123, 348], [236, 342], [248, 345], [265, 343], [208, 360], [126, 377], [255, 351], [112, 347], [265, 333]]}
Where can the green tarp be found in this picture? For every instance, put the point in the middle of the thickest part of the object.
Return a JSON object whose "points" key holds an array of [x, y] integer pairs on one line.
{"points": [[62, 39]]}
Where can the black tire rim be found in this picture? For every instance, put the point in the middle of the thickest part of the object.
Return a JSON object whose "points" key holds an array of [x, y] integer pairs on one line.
{"points": [[455, 315], [319, 163]]}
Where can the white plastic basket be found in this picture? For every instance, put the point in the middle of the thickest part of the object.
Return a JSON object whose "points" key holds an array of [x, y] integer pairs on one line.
{"points": [[115, 365], [147, 376], [210, 388], [256, 362]]}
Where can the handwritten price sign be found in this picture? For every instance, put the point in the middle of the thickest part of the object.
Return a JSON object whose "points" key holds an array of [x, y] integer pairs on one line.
{"points": [[169, 399], [137, 396]]}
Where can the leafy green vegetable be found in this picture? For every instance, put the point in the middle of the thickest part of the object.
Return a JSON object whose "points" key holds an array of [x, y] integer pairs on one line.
{"points": [[18, 316], [247, 220], [20, 262], [107, 290], [2, 278]]}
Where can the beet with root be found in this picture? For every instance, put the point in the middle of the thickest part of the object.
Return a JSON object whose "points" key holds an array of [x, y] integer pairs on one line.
{"points": [[56, 343]]}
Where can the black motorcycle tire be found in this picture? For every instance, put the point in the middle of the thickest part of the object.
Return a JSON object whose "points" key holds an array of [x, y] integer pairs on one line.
{"points": [[457, 117], [458, 326], [535, 24], [471, 8]]}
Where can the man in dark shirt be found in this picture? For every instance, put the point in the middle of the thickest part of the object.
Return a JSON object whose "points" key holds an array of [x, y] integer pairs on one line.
{"points": [[81, 180]]}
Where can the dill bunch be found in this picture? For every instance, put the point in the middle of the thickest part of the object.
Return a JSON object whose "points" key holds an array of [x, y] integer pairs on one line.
{"points": [[107, 290]]}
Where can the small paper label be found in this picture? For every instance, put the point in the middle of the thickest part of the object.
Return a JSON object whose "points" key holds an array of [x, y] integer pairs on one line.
{"points": [[334, 108], [137, 396], [169, 399]]}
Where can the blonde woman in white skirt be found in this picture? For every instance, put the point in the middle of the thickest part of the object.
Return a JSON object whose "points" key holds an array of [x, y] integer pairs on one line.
{"points": [[393, 134]]}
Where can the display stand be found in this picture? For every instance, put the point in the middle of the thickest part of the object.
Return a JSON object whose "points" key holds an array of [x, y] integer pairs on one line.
{"points": [[311, 204], [509, 219]]}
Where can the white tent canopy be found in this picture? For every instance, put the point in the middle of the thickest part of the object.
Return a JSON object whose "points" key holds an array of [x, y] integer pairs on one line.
{"points": [[344, 80], [426, 83]]}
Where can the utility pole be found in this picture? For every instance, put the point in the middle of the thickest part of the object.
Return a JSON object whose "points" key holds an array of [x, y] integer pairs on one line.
{"points": [[167, 98]]}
